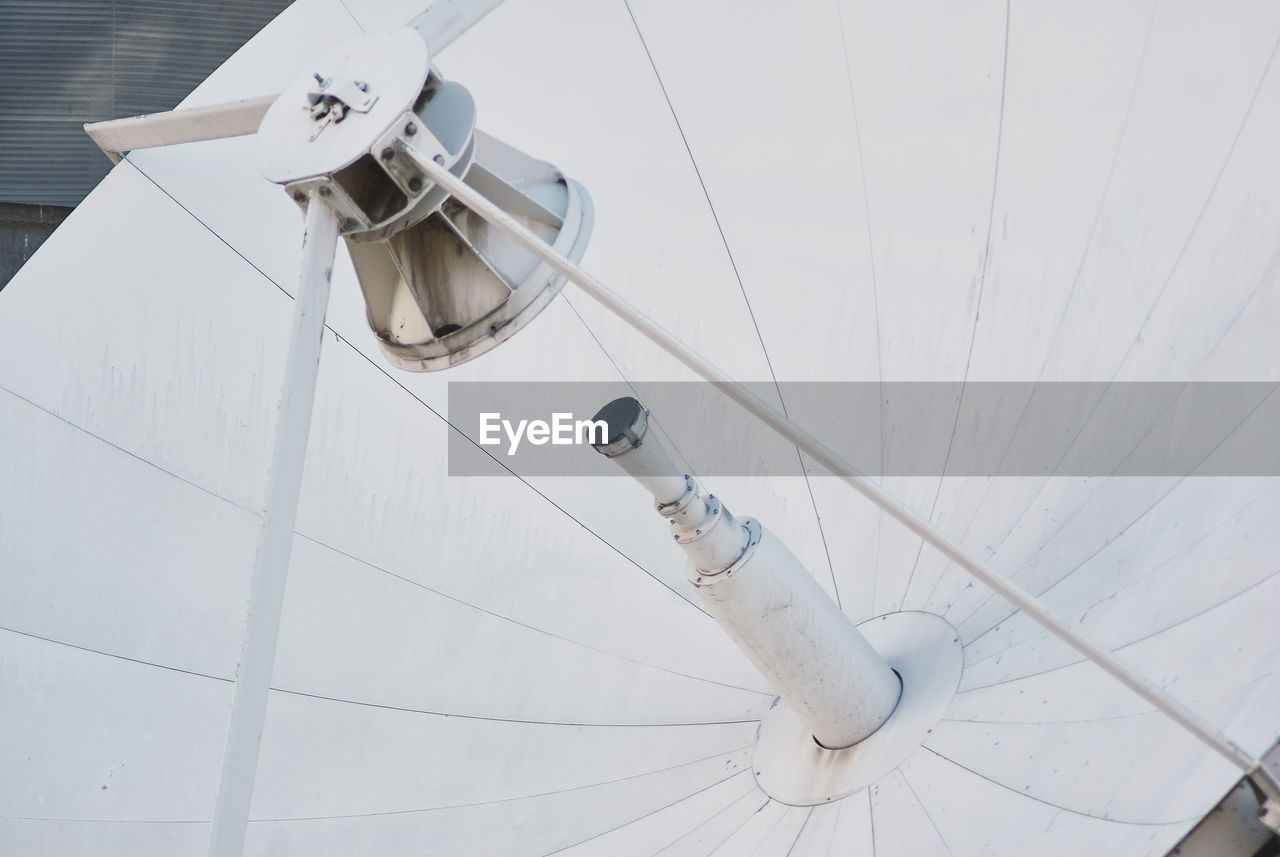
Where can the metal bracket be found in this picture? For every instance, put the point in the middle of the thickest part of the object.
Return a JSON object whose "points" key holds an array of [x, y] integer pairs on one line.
{"points": [[334, 97], [701, 577], [1270, 815], [410, 132], [186, 125], [1267, 785]]}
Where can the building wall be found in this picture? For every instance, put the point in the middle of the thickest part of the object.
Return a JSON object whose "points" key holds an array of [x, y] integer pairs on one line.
{"points": [[23, 228], [68, 62]]}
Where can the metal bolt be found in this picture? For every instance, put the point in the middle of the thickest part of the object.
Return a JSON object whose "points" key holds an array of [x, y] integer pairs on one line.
{"points": [[415, 184], [410, 129], [439, 159], [299, 196], [324, 191], [388, 153], [348, 225]]}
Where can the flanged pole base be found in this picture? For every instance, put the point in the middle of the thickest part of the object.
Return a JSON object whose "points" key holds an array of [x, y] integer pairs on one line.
{"points": [[791, 767]]}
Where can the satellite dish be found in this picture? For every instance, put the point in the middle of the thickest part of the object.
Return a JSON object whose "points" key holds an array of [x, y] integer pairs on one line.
{"points": [[484, 665]]}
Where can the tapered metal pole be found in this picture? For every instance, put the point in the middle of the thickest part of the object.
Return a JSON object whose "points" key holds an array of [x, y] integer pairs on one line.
{"points": [[271, 567], [833, 462], [768, 603]]}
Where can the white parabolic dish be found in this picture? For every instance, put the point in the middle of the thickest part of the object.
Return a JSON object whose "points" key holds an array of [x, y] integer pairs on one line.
{"points": [[491, 666]]}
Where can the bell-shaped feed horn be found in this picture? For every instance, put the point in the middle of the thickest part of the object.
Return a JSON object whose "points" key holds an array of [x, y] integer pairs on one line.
{"points": [[451, 287], [441, 286]]}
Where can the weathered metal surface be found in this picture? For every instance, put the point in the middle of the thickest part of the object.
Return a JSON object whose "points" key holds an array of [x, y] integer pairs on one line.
{"points": [[275, 540], [920, 647], [295, 144], [1124, 185], [838, 687]]}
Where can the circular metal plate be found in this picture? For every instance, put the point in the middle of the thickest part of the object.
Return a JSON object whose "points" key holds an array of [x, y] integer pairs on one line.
{"points": [[792, 768], [393, 64]]}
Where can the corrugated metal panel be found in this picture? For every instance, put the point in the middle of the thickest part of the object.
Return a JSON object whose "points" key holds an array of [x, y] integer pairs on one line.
{"points": [[67, 62]]}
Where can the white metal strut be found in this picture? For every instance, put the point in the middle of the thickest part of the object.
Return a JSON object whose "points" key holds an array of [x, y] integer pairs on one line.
{"points": [[271, 566]]}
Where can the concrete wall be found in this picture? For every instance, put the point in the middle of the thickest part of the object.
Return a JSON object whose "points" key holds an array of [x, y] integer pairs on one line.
{"points": [[23, 228]]}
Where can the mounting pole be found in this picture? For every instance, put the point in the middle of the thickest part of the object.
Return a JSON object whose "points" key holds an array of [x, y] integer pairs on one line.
{"points": [[1265, 779], [271, 567], [761, 595]]}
